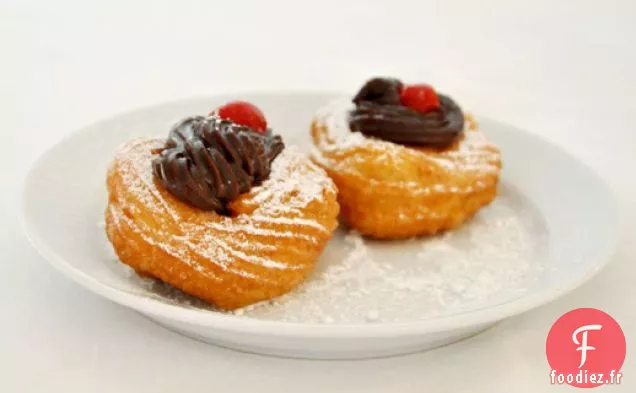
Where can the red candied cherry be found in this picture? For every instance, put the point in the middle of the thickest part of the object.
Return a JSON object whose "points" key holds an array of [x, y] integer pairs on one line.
{"points": [[243, 113], [421, 98]]}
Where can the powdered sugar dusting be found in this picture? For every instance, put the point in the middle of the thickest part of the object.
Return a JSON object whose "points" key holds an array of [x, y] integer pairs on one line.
{"points": [[490, 259], [474, 154], [285, 180], [294, 183]]}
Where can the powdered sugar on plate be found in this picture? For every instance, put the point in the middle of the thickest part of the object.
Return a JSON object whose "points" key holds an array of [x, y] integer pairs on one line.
{"points": [[490, 259]]}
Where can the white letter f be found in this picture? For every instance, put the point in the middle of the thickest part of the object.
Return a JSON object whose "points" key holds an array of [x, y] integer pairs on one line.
{"points": [[584, 347]]}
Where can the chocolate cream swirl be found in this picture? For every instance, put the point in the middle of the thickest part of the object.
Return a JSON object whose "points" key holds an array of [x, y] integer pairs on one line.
{"points": [[379, 113], [208, 162]]}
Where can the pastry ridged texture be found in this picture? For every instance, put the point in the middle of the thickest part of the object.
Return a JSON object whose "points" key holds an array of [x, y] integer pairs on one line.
{"points": [[391, 191], [265, 248]]}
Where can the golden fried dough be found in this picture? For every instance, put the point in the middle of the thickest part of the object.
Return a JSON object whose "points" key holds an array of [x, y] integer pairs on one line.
{"points": [[267, 246], [391, 191]]}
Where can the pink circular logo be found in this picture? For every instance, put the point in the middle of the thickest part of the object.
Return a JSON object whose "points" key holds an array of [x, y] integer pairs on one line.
{"points": [[585, 348]]}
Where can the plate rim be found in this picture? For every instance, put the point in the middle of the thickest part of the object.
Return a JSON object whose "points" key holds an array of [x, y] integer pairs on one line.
{"points": [[229, 322]]}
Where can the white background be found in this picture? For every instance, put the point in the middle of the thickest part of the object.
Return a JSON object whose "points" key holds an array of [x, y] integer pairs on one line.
{"points": [[565, 70]]}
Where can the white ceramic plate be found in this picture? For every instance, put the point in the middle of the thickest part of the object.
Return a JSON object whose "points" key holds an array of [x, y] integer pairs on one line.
{"points": [[552, 227]]}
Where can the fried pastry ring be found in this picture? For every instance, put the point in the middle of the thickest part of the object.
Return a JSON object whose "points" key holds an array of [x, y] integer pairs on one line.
{"points": [[265, 248], [391, 191]]}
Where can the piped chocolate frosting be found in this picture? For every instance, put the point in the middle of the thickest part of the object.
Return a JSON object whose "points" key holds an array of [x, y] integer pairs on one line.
{"points": [[208, 162], [379, 113]]}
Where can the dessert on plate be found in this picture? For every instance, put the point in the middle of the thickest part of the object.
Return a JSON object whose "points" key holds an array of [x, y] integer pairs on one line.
{"points": [[406, 160], [220, 209]]}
